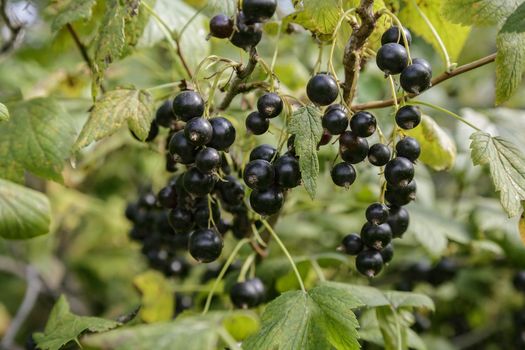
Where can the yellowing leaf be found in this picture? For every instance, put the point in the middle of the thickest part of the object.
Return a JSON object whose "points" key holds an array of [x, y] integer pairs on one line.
{"points": [[4, 113], [318, 16], [521, 227], [157, 297], [67, 11], [241, 325]]}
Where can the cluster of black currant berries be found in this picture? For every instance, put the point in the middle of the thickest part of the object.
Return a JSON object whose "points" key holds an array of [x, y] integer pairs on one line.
{"points": [[246, 30]]}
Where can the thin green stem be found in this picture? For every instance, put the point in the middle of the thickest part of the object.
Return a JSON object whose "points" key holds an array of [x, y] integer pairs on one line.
{"points": [[276, 51], [258, 237], [393, 90], [446, 111], [285, 251], [244, 269], [164, 86], [334, 41], [228, 339], [318, 270]]}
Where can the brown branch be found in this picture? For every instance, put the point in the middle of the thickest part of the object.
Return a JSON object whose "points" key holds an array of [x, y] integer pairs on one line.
{"points": [[352, 58], [182, 59], [437, 80]]}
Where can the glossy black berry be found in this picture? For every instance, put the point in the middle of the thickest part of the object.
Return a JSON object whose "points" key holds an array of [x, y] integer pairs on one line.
{"points": [[408, 148], [270, 105], [256, 123], [399, 172], [202, 216], [207, 160], [164, 115], [205, 245], [352, 244], [264, 152], [197, 183], [198, 131], [343, 174], [444, 271], [379, 154], [387, 253], [231, 190], [287, 172], [246, 35], [399, 196], [221, 26], [393, 35], [392, 58], [415, 78], [424, 63], [377, 213], [335, 106], [244, 295], [183, 150], [223, 135], [352, 148], [188, 105], [259, 10], [363, 124], [267, 202], [335, 121], [181, 220], [326, 137], [259, 174], [369, 263], [376, 236], [322, 89], [167, 197], [519, 281], [398, 220], [408, 117], [259, 287]]}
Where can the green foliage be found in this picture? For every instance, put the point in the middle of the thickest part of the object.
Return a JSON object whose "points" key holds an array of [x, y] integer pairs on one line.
{"points": [[510, 63], [318, 16], [68, 11], [516, 21], [63, 326], [157, 297], [4, 113], [322, 318], [479, 12], [305, 124]]}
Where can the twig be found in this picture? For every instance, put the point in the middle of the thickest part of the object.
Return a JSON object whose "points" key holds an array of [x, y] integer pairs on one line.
{"points": [[182, 59], [80, 46], [437, 80], [15, 30]]}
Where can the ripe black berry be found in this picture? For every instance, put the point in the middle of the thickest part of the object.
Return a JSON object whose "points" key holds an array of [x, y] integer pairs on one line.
{"points": [[399, 196], [205, 245], [244, 295], [221, 26], [182, 149], [392, 58], [325, 138], [167, 197], [246, 35], [408, 148], [398, 219], [202, 214], [198, 131], [369, 262], [363, 124], [231, 190], [259, 10], [376, 236], [352, 148], [181, 220], [444, 271], [188, 105], [259, 174], [197, 183], [393, 35], [519, 281], [267, 202], [377, 213], [408, 117], [387, 253], [223, 134], [176, 266], [343, 174], [399, 172], [424, 63], [264, 152], [352, 244], [257, 124], [287, 171], [270, 105], [207, 160], [259, 287], [164, 116], [379, 154], [415, 78], [322, 89], [335, 121]]}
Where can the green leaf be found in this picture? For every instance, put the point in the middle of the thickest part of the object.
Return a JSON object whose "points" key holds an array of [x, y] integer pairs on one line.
{"points": [[135, 22], [318, 16], [228, 7], [479, 12], [305, 124], [515, 23], [68, 11], [438, 149], [322, 318], [241, 325], [63, 326], [24, 213], [157, 297], [4, 113], [113, 110], [37, 138], [507, 168], [393, 331], [510, 64]]}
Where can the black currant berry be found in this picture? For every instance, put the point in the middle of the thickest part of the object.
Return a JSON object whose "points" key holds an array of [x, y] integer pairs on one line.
{"points": [[392, 58], [221, 26], [398, 219], [267, 202], [393, 35], [207, 160], [322, 89], [369, 263], [287, 172], [343, 174], [167, 197], [181, 220], [387, 253], [379, 154], [399, 196], [246, 35], [335, 121], [223, 226], [244, 295], [444, 271], [408, 117], [202, 215], [223, 135], [182, 149], [197, 183], [231, 190], [164, 116], [198, 131], [205, 245], [352, 148], [376, 236], [408, 148], [259, 174], [325, 138], [176, 266], [335, 106], [352, 244], [259, 287], [257, 124], [188, 105], [415, 78], [363, 124], [377, 213], [519, 281], [259, 10], [264, 152], [270, 105], [399, 172], [424, 63]]}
